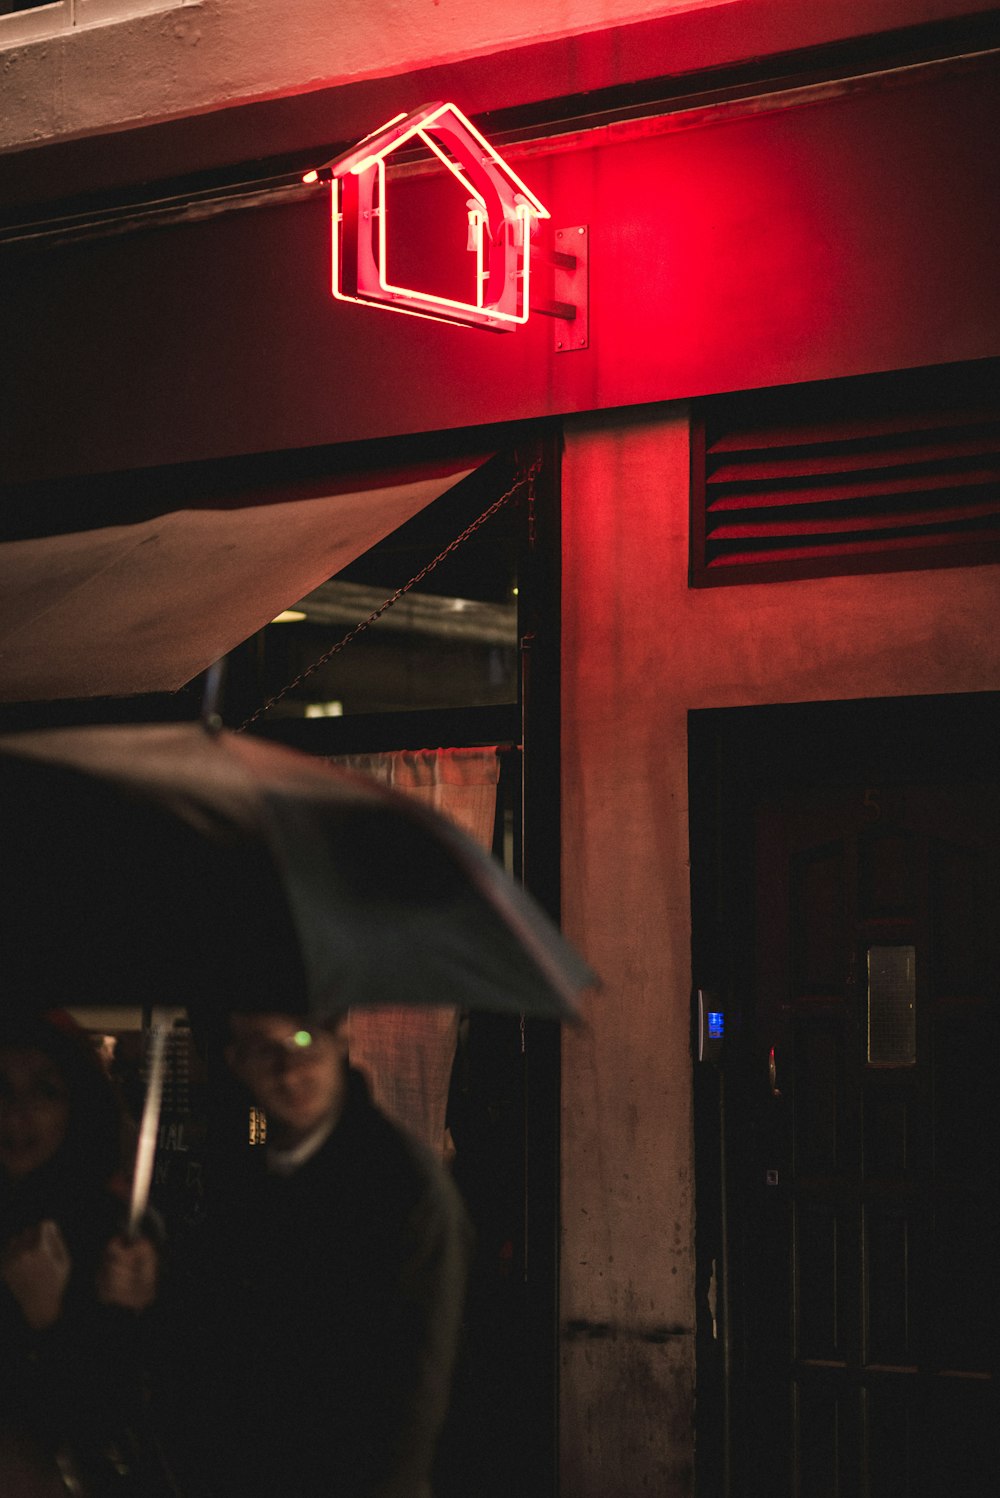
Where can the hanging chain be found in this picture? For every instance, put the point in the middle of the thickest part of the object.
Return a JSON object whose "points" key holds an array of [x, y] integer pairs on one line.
{"points": [[527, 477], [531, 509]]}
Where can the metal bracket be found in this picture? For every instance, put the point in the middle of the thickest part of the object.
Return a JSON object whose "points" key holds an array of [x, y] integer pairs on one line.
{"points": [[569, 305]]}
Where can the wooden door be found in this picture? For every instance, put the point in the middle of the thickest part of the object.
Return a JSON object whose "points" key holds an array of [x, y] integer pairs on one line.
{"points": [[865, 1246]]}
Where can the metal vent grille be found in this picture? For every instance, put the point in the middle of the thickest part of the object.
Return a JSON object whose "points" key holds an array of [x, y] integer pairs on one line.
{"points": [[850, 476]]}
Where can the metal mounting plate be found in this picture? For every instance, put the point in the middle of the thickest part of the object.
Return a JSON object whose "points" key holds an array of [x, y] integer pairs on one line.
{"points": [[572, 286]]}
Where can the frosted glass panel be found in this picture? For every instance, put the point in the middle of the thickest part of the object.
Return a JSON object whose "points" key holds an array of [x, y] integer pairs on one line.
{"points": [[892, 1011]]}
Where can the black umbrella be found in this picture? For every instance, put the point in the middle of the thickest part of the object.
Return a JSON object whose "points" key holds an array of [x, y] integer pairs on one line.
{"points": [[175, 865]]}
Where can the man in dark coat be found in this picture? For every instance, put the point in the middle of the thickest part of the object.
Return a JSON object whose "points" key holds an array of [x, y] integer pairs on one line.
{"points": [[322, 1297]]}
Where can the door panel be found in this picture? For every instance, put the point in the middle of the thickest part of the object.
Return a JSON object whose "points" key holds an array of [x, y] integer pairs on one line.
{"points": [[875, 986], [861, 1141]]}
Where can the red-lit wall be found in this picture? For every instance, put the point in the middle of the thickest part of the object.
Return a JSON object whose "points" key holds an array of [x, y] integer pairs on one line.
{"points": [[641, 649], [856, 231]]}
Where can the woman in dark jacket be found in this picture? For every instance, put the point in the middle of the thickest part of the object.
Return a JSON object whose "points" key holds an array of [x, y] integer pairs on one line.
{"points": [[71, 1285]]}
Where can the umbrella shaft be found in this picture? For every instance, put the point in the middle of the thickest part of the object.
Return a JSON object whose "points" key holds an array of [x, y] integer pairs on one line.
{"points": [[146, 1147]]}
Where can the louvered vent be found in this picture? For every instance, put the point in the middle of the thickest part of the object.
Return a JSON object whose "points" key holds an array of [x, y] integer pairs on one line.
{"points": [[852, 476]]}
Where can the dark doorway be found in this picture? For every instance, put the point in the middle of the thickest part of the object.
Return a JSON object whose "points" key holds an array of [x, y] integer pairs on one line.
{"points": [[846, 867]]}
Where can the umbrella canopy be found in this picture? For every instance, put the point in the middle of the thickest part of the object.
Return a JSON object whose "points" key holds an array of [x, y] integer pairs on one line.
{"points": [[174, 865]]}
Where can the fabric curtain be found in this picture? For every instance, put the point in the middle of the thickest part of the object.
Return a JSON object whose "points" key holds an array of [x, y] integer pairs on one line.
{"points": [[407, 1054]]}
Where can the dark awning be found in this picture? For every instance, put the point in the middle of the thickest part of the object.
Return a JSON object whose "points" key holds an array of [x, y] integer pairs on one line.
{"points": [[142, 607]]}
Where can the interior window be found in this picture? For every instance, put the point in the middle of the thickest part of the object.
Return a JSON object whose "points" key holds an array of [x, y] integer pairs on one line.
{"points": [[450, 641]]}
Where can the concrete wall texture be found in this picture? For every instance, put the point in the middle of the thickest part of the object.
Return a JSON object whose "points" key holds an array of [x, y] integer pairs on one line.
{"points": [[207, 54], [640, 648], [117, 69]]}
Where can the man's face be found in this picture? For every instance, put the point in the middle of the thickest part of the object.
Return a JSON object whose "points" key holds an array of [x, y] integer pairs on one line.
{"points": [[294, 1070]]}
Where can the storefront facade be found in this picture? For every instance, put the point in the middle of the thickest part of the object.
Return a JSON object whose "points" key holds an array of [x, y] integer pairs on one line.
{"points": [[794, 210]]}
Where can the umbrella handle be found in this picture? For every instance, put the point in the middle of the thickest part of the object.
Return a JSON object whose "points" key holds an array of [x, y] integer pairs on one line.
{"points": [[146, 1147]]}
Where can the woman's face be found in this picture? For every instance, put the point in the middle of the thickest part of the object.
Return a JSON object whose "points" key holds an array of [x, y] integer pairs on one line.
{"points": [[34, 1110]]}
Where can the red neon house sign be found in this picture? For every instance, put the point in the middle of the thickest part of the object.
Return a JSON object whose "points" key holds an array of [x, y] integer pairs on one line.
{"points": [[503, 213]]}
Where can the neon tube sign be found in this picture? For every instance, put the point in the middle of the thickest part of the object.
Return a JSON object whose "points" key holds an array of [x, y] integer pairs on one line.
{"points": [[502, 215]]}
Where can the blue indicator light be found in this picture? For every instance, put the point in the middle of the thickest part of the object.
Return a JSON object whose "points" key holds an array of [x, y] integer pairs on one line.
{"points": [[716, 1024]]}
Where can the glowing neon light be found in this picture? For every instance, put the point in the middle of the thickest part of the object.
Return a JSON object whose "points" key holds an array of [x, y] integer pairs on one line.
{"points": [[502, 214]]}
